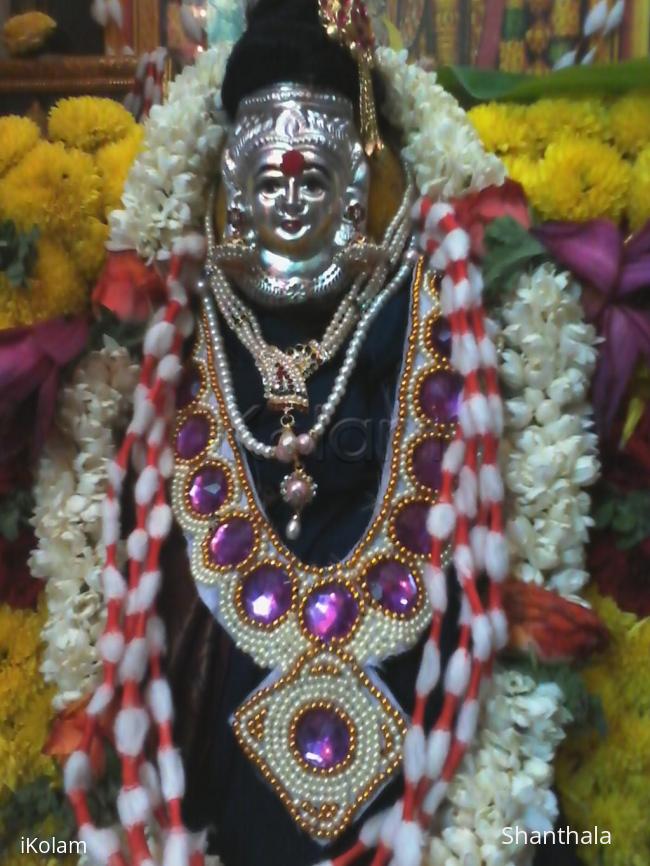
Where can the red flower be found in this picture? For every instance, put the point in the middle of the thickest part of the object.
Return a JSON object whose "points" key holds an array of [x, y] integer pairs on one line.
{"points": [[624, 575], [17, 587], [477, 210], [552, 627], [128, 287], [30, 362], [67, 733]]}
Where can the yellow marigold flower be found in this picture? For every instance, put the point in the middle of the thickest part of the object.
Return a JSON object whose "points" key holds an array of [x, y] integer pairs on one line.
{"points": [[602, 780], [582, 179], [638, 201], [88, 250], [53, 188], [89, 122], [526, 170], [551, 119], [56, 288], [27, 32], [502, 128], [18, 135], [114, 161], [629, 121], [25, 700]]}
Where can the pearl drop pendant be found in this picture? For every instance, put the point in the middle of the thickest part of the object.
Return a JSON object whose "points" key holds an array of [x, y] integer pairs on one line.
{"points": [[294, 528]]}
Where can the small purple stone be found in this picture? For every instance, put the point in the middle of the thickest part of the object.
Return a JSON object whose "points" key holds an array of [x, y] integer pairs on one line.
{"points": [[392, 585], [232, 542], [330, 611], [411, 527], [266, 594], [188, 387], [440, 337], [440, 396], [193, 437], [208, 489], [322, 738], [427, 463]]}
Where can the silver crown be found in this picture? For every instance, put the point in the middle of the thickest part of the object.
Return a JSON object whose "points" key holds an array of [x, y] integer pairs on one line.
{"points": [[292, 115]]}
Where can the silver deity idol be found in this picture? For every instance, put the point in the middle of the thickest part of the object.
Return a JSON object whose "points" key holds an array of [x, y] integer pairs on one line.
{"points": [[296, 183]]}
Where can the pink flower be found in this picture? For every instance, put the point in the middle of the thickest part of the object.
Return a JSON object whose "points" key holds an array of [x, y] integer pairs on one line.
{"points": [[477, 210], [30, 364], [128, 287]]}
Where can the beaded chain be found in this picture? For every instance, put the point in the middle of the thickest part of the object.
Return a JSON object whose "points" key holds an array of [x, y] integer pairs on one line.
{"points": [[468, 514]]}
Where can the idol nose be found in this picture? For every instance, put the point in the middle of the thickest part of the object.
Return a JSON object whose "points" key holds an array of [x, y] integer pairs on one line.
{"points": [[293, 205]]}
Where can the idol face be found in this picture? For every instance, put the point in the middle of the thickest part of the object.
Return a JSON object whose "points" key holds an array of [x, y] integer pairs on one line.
{"points": [[296, 198], [296, 180]]}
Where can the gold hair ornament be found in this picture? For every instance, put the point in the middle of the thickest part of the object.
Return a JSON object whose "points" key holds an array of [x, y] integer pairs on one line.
{"points": [[348, 22]]}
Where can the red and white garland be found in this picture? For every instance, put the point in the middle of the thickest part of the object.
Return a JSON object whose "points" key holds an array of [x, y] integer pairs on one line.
{"points": [[133, 642], [468, 512]]}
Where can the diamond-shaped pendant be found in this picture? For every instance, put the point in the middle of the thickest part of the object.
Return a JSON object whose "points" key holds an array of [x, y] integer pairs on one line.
{"points": [[325, 737]]}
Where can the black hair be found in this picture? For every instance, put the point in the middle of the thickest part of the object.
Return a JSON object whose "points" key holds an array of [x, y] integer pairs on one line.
{"points": [[285, 41]]}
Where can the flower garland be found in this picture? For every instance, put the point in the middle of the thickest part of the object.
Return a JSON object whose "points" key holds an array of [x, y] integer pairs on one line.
{"points": [[70, 487], [61, 187], [603, 780], [171, 183], [505, 779], [549, 449], [25, 701], [577, 159], [164, 194]]}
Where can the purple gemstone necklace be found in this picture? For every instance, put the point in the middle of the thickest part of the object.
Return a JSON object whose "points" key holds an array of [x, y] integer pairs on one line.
{"points": [[321, 729]]}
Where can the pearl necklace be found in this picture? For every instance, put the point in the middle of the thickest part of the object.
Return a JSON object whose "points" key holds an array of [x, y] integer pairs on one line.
{"points": [[355, 314], [285, 372]]}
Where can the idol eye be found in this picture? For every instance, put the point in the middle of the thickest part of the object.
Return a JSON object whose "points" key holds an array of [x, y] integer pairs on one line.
{"points": [[269, 185], [314, 184]]}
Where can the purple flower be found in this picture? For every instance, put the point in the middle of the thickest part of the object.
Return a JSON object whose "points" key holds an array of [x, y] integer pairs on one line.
{"points": [[615, 272], [30, 363]]}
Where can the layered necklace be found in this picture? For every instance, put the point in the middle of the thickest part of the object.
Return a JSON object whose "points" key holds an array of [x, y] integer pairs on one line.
{"points": [[284, 373], [322, 730]]}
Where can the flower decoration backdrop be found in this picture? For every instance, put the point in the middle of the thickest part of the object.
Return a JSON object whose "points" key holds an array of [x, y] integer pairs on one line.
{"points": [[563, 315]]}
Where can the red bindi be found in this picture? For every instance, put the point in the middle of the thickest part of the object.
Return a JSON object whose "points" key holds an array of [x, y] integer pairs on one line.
{"points": [[293, 163]]}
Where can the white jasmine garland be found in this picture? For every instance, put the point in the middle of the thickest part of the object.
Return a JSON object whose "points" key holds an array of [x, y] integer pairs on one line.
{"points": [[549, 447], [505, 780], [447, 156], [165, 193], [69, 490]]}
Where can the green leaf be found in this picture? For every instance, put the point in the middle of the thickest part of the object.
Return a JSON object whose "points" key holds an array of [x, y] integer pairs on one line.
{"points": [[18, 253], [471, 85], [509, 250], [107, 325]]}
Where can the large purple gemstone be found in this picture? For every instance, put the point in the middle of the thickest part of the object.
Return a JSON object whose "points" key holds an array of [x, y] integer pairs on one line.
{"points": [[440, 396], [440, 337], [188, 387], [427, 462], [330, 611], [322, 738], [208, 489], [232, 542], [193, 437], [393, 586], [266, 594], [411, 527]]}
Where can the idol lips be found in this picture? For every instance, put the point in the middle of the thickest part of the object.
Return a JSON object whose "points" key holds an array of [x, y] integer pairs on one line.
{"points": [[291, 227]]}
